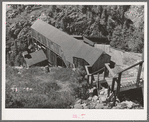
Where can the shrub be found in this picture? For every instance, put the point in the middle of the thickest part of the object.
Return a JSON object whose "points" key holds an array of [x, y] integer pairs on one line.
{"points": [[48, 91], [63, 74]]}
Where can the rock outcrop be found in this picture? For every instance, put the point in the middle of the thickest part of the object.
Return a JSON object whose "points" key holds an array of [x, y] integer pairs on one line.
{"points": [[102, 101]]}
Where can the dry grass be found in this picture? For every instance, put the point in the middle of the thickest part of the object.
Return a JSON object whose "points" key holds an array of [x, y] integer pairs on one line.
{"points": [[37, 89]]}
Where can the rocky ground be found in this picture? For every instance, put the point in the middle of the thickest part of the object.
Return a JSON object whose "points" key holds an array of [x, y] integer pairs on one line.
{"points": [[100, 101]]}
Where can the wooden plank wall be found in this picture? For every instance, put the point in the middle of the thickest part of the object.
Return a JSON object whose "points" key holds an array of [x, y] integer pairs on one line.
{"points": [[79, 61], [47, 42]]}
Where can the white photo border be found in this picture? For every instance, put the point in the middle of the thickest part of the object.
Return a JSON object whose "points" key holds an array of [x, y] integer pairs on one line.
{"points": [[67, 114]]}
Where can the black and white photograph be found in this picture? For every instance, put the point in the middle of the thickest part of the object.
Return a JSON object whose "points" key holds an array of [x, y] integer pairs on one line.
{"points": [[74, 60]]}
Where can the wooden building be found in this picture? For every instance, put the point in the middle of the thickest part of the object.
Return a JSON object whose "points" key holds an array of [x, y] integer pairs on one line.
{"points": [[34, 59], [62, 49]]}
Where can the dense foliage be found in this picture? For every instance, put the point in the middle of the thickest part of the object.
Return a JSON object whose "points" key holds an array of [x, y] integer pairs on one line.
{"points": [[117, 23]]}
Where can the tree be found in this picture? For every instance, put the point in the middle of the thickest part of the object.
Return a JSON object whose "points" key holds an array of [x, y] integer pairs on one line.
{"points": [[53, 8], [23, 46], [117, 37], [19, 59], [84, 9], [100, 9]]}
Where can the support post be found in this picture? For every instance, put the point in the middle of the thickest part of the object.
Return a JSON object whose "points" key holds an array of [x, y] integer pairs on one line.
{"points": [[108, 91], [98, 82], [104, 73], [113, 83], [138, 75], [32, 39], [91, 80], [88, 79], [143, 92], [56, 60], [114, 99], [118, 84]]}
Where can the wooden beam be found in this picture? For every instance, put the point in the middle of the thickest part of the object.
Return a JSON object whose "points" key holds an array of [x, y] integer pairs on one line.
{"points": [[131, 67], [56, 60], [118, 84], [98, 82], [111, 72], [86, 68], [91, 80], [98, 71], [104, 73], [139, 73], [114, 99], [113, 83], [134, 86], [88, 79], [143, 91]]}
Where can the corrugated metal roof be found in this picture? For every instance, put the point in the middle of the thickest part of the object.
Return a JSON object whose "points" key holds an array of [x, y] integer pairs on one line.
{"points": [[36, 57], [70, 46]]}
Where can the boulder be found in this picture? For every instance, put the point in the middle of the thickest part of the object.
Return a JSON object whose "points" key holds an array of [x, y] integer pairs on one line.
{"points": [[104, 104], [99, 106], [103, 98], [77, 106], [135, 105], [123, 105], [71, 106], [91, 90], [102, 92], [114, 107], [105, 91], [98, 101], [129, 104], [92, 105], [105, 107], [90, 98], [118, 104], [110, 104], [83, 105], [79, 101], [86, 107], [95, 98]]}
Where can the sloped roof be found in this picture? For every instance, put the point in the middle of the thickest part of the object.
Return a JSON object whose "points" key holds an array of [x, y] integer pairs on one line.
{"points": [[70, 46], [116, 55], [35, 57], [88, 53]]}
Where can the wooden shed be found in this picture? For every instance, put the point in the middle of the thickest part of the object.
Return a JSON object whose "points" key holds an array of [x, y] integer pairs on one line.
{"points": [[87, 55], [62, 49], [35, 58]]}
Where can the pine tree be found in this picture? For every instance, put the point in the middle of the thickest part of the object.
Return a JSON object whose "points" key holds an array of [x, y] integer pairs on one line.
{"points": [[117, 37]]}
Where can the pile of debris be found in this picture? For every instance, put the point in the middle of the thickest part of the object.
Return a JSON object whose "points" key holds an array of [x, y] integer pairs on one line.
{"points": [[101, 101]]}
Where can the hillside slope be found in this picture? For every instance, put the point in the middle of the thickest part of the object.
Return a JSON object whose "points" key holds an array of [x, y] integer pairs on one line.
{"points": [[102, 21], [136, 14]]}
